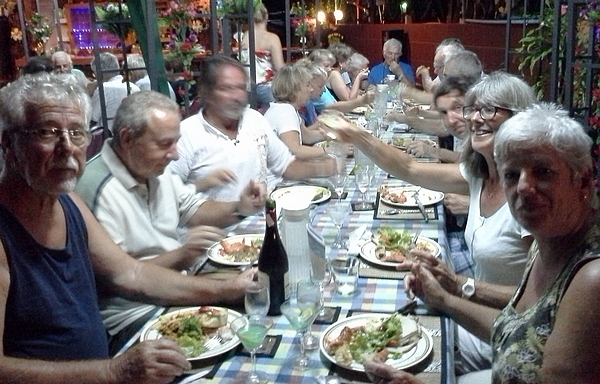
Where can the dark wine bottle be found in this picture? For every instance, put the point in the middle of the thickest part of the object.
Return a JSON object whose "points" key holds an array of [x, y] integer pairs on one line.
{"points": [[273, 262]]}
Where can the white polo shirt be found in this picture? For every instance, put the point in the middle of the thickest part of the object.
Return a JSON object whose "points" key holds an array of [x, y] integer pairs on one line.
{"points": [[141, 218]]}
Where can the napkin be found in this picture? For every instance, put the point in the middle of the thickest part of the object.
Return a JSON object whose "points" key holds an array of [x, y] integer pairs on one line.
{"points": [[357, 238]]}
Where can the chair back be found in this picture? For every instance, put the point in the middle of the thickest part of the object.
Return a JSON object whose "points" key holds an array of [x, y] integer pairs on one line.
{"points": [[96, 143]]}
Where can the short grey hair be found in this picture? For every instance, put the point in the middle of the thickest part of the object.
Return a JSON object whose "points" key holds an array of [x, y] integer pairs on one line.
{"points": [[498, 89], [22, 97], [136, 67], [107, 62], [545, 125], [62, 54], [356, 62], [392, 43], [463, 64], [449, 45], [134, 112], [501, 89]]}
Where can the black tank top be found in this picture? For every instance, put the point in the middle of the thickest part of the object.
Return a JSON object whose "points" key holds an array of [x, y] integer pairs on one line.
{"points": [[52, 308]]}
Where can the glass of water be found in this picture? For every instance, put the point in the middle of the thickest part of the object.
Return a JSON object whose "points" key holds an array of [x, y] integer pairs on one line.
{"points": [[338, 212], [257, 299]]}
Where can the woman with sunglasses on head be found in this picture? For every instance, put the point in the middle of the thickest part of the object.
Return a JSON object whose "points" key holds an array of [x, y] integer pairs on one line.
{"points": [[498, 244]]}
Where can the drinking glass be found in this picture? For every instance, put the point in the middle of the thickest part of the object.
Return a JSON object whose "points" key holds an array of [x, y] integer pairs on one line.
{"points": [[301, 314], [252, 330], [371, 172], [256, 299], [361, 177], [339, 183], [321, 274], [308, 290], [338, 212]]}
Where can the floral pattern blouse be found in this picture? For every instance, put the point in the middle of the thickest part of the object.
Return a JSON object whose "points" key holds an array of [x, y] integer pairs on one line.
{"points": [[264, 66], [518, 339]]}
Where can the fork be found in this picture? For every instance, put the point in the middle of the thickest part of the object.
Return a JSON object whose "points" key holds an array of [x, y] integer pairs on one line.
{"points": [[413, 241], [213, 342]]}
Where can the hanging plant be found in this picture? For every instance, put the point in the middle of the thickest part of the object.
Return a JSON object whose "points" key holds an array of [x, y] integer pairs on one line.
{"points": [[115, 19], [232, 7]]}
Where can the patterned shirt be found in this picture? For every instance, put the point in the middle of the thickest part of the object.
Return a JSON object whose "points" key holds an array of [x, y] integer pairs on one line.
{"points": [[519, 338]]}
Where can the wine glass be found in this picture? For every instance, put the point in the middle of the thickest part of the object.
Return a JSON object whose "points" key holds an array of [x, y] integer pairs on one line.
{"points": [[321, 274], [339, 183], [307, 291], [301, 314], [361, 178], [338, 212], [256, 299], [251, 330]]}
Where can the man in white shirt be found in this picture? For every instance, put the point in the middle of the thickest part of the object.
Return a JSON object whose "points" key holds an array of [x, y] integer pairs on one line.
{"points": [[115, 89], [142, 204], [227, 144]]}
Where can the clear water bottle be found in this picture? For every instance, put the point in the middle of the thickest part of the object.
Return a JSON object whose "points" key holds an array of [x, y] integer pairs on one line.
{"points": [[392, 84]]}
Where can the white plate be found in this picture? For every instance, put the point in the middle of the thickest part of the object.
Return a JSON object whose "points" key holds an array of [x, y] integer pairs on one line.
{"points": [[367, 252], [302, 192], [151, 333], [214, 251], [408, 359], [426, 196]]}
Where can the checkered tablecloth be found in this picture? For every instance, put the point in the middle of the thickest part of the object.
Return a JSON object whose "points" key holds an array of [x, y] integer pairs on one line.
{"points": [[374, 295]]}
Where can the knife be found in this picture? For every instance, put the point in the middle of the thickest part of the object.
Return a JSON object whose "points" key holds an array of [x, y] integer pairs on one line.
{"points": [[407, 308], [421, 206]]}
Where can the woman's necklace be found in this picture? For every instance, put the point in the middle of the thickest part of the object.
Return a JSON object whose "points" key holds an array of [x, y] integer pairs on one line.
{"points": [[491, 189]]}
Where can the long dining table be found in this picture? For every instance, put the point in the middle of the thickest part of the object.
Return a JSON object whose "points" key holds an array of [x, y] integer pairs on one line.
{"points": [[379, 293]]}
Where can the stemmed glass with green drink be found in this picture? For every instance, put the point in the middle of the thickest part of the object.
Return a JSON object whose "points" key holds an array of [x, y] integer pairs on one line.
{"points": [[251, 330], [301, 312]]}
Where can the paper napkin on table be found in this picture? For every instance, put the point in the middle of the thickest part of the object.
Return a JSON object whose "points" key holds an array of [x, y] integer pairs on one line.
{"points": [[357, 238]]}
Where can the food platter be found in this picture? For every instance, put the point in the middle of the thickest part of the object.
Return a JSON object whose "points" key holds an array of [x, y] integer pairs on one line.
{"points": [[410, 358], [214, 252], [367, 251], [310, 194], [426, 196], [150, 332]]}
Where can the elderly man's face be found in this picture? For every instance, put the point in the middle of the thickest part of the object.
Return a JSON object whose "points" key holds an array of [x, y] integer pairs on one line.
{"points": [[450, 107], [392, 54], [229, 97], [148, 155], [62, 64], [49, 167], [542, 193]]}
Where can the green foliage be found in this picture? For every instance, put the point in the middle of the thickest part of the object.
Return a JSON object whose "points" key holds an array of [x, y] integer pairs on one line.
{"points": [[114, 18], [230, 7]]}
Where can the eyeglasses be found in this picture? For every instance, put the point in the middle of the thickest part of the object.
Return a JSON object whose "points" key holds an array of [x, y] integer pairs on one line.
{"points": [[79, 137], [486, 113]]}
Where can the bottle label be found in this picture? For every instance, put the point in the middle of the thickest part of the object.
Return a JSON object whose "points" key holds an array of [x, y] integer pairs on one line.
{"points": [[287, 289]]}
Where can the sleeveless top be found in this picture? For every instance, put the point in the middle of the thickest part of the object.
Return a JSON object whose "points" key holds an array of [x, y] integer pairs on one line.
{"points": [[52, 307], [264, 66], [518, 339]]}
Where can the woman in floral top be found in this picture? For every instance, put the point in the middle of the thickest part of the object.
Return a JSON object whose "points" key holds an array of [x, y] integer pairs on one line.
{"points": [[548, 333], [268, 56]]}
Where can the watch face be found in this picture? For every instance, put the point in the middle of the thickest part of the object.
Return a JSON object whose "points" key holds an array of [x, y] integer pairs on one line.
{"points": [[468, 288]]}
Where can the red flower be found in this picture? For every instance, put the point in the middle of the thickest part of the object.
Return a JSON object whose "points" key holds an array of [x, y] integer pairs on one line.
{"points": [[186, 47], [187, 75], [594, 121]]}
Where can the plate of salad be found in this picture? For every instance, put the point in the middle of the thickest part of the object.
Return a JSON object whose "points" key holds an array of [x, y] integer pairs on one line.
{"points": [[390, 246], [398, 340], [236, 250], [192, 327]]}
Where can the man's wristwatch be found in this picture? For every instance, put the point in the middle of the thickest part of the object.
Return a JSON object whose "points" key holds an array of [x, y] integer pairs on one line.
{"points": [[468, 288]]}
